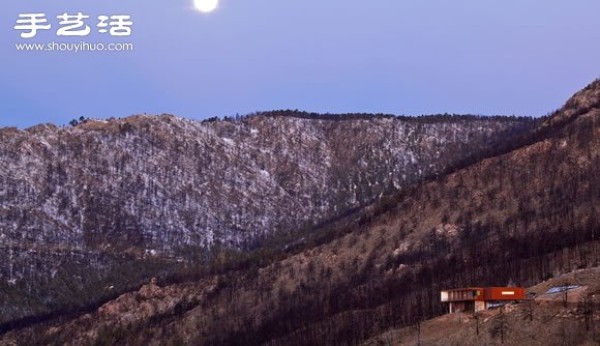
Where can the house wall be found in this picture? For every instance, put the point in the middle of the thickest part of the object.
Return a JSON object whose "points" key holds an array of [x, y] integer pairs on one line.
{"points": [[479, 299], [480, 306], [504, 293]]}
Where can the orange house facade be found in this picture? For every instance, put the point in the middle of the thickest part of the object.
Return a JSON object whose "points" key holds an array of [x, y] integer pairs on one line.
{"points": [[480, 298]]}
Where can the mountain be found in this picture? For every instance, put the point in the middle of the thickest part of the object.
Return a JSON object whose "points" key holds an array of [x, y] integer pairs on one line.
{"points": [[112, 203], [525, 212]]}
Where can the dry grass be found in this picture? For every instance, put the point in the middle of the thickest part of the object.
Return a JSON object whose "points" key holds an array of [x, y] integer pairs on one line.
{"points": [[543, 321]]}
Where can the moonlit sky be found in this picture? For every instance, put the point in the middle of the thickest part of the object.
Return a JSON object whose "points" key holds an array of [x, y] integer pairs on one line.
{"points": [[391, 56]]}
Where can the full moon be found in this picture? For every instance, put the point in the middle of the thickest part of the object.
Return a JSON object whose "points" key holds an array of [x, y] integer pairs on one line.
{"points": [[206, 6]]}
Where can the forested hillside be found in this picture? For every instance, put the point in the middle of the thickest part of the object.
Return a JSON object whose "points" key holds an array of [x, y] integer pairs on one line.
{"points": [[525, 213], [112, 203]]}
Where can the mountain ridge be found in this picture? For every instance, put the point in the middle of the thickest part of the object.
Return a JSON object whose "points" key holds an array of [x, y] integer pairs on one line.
{"points": [[86, 203], [523, 216]]}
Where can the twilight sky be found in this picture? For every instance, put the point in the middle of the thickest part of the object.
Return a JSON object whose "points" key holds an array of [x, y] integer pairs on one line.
{"points": [[390, 56]]}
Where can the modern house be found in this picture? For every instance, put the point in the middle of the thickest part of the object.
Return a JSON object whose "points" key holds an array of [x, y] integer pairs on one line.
{"points": [[480, 298]]}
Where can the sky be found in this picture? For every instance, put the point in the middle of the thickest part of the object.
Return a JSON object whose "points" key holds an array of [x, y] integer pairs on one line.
{"points": [[408, 57]]}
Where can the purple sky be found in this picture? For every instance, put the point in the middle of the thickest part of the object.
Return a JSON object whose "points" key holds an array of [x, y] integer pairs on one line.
{"points": [[391, 56]]}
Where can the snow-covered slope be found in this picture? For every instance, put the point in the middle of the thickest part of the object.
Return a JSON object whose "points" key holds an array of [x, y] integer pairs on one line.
{"points": [[154, 185]]}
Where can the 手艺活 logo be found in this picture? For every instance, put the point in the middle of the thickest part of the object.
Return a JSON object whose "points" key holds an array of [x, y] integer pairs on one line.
{"points": [[77, 24]]}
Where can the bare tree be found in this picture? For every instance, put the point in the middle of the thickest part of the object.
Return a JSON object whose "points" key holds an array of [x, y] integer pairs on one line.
{"points": [[417, 326], [566, 293], [530, 308], [588, 307], [499, 327], [477, 317]]}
